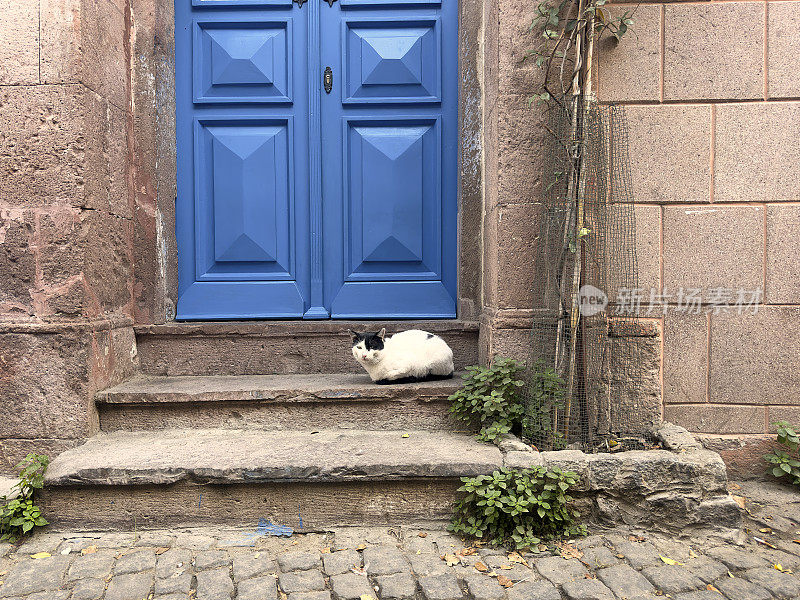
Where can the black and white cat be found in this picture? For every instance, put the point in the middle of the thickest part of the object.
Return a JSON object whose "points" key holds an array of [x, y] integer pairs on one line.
{"points": [[406, 357]]}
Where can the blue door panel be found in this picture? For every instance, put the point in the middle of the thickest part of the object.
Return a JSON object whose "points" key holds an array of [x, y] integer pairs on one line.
{"points": [[242, 210], [392, 193], [397, 61], [244, 61], [296, 202], [244, 199], [389, 175]]}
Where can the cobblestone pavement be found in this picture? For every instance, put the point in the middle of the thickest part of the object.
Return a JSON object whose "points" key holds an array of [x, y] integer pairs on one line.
{"points": [[352, 563], [402, 563]]}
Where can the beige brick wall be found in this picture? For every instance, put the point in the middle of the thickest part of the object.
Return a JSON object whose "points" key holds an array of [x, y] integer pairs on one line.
{"points": [[713, 98]]}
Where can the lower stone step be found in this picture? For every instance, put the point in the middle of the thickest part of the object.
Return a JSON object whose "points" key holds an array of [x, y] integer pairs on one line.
{"points": [[307, 480], [295, 402]]}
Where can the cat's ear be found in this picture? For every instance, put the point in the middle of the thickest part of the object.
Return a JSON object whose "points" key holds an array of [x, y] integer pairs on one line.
{"points": [[355, 335], [382, 333]]}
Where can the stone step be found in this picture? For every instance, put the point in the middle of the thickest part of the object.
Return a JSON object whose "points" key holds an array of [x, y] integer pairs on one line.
{"points": [[278, 347], [297, 402], [183, 477]]}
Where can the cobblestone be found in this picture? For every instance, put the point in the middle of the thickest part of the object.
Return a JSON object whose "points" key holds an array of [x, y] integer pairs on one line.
{"points": [[246, 566], [298, 561], [210, 559], [130, 586], [215, 584], [88, 589], [534, 590], [559, 570], [625, 582], [384, 561], [672, 579], [587, 589], [302, 581], [740, 589], [95, 566], [778, 584], [135, 562], [398, 586], [440, 587], [350, 586], [340, 562], [260, 588], [209, 564]]}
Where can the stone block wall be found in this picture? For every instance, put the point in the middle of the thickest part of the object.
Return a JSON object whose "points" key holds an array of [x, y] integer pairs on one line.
{"points": [[711, 91], [66, 219], [713, 105]]}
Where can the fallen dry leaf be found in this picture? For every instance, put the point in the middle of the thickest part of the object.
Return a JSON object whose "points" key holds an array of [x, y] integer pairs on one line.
{"points": [[451, 559], [669, 561], [481, 567], [765, 530], [506, 567], [504, 581], [361, 547], [741, 501], [326, 550], [734, 486], [516, 557], [161, 550], [41, 555], [422, 534], [88, 550], [283, 595], [692, 553], [467, 551], [568, 551], [636, 538], [711, 588], [367, 597], [796, 541], [779, 567]]}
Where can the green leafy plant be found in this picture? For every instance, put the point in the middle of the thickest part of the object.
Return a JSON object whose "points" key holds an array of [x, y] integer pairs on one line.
{"points": [[490, 398], [19, 515], [517, 508], [786, 463], [546, 391]]}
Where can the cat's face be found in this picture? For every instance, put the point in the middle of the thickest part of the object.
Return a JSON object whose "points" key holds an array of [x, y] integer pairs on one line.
{"points": [[367, 346]]}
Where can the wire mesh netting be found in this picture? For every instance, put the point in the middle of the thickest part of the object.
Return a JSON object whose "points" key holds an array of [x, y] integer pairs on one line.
{"points": [[583, 378]]}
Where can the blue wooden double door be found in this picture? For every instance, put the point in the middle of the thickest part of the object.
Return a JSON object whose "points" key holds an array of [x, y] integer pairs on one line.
{"points": [[317, 158]]}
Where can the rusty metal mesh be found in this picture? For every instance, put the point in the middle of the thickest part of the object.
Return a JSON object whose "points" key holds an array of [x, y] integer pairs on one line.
{"points": [[583, 378]]}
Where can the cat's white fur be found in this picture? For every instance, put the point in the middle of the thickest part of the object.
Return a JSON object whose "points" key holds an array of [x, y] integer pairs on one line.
{"points": [[411, 353]]}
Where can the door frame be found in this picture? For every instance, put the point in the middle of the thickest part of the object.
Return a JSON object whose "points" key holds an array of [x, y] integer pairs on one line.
{"points": [[153, 150]]}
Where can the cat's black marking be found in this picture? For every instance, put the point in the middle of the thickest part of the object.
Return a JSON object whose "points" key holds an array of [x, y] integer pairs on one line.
{"points": [[414, 379], [372, 340], [430, 335]]}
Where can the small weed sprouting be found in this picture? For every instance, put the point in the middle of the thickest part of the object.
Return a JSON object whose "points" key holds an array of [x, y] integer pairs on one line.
{"points": [[517, 508], [490, 398], [19, 515], [786, 463]]}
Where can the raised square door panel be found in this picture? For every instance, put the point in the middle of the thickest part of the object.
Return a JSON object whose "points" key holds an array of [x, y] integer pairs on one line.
{"points": [[392, 61], [393, 199], [243, 61], [244, 199], [243, 3]]}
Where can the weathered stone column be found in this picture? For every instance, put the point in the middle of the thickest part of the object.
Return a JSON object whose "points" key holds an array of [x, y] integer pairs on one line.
{"points": [[65, 219]]}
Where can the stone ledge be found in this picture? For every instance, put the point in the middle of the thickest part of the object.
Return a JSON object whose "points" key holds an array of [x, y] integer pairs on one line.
{"points": [[214, 456], [291, 328], [684, 486], [338, 387]]}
